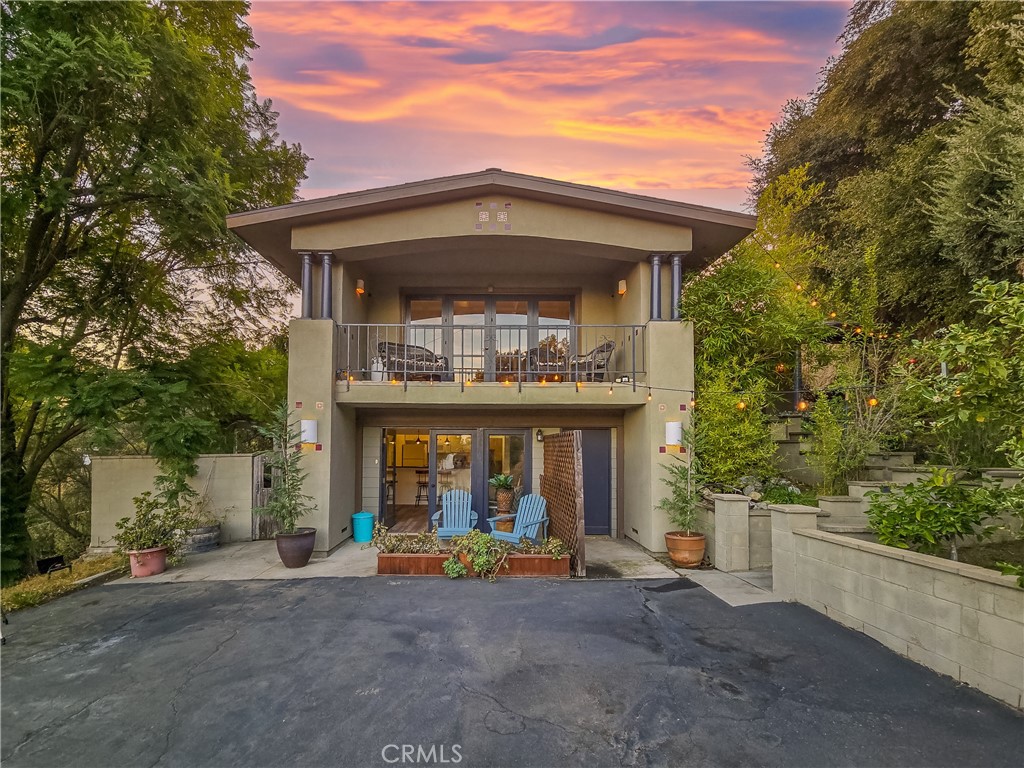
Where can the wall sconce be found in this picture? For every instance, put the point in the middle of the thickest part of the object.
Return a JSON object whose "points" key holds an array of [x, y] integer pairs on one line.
{"points": [[360, 287], [540, 436], [622, 288]]}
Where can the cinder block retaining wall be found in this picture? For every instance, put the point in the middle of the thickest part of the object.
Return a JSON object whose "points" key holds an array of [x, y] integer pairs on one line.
{"points": [[960, 620]]}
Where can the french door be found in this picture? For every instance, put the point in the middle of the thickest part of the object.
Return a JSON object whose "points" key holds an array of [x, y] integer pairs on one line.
{"points": [[487, 338], [457, 458]]}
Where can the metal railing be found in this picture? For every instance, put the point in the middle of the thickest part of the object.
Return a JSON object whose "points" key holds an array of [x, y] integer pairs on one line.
{"points": [[492, 353]]}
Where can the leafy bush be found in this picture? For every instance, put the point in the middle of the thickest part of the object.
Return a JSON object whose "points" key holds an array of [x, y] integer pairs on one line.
{"points": [[930, 514], [486, 555], [980, 394], [388, 543], [780, 494], [157, 523], [732, 442]]}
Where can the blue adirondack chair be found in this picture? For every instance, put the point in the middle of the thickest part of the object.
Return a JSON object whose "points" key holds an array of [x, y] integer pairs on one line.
{"points": [[456, 516], [531, 521]]}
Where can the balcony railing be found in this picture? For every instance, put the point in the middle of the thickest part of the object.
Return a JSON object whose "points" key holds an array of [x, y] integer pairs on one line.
{"points": [[492, 353]]}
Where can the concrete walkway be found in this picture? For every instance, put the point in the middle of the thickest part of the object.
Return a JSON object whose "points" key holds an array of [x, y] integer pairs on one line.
{"points": [[522, 672], [606, 559], [259, 560], [736, 589]]}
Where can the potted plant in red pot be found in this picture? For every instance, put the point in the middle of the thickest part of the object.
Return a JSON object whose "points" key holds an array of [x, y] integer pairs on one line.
{"points": [[153, 535], [685, 544], [286, 502]]}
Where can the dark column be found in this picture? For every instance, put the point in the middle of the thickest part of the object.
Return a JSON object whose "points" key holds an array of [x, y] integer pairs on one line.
{"points": [[797, 376], [307, 284], [677, 284], [655, 286], [326, 292]]}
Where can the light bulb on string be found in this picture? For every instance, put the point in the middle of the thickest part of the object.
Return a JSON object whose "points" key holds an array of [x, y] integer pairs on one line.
{"points": [[872, 402], [799, 287], [649, 395], [814, 302], [611, 391], [741, 405], [802, 406]]}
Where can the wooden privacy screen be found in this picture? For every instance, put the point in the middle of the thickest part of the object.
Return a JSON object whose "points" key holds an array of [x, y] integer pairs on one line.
{"points": [[562, 486]]}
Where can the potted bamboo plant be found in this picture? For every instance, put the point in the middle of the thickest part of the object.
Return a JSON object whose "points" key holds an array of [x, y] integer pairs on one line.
{"points": [[685, 544], [286, 502]]}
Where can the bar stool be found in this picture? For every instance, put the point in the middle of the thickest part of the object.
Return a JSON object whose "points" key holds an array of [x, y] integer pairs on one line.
{"points": [[422, 486]]}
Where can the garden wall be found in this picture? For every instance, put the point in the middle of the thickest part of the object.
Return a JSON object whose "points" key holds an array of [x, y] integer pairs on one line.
{"points": [[960, 620], [116, 480], [747, 544]]}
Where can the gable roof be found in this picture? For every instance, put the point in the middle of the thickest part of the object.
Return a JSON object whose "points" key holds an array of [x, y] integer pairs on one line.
{"points": [[268, 230]]}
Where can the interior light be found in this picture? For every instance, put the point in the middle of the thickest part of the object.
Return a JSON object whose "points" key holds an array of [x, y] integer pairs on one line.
{"points": [[360, 287]]}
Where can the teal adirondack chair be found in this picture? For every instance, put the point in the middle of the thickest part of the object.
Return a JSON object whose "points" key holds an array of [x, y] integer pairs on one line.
{"points": [[456, 516], [531, 521]]}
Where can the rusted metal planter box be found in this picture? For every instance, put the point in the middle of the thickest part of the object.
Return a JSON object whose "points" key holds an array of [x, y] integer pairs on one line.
{"points": [[519, 566], [410, 564]]}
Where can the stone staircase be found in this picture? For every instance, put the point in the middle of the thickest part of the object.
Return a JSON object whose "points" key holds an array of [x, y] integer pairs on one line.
{"points": [[791, 447], [848, 514]]}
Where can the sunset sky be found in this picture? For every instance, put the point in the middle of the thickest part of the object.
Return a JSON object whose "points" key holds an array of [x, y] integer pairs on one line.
{"points": [[665, 98]]}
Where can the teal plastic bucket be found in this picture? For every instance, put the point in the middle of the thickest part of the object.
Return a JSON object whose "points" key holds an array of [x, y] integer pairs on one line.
{"points": [[362, 527]]}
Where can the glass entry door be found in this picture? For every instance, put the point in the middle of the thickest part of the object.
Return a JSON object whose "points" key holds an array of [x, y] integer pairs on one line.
{"points": [[421, 465]]}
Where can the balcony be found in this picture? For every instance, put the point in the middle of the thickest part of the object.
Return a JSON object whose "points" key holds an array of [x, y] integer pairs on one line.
{"points": [[491, 359]]}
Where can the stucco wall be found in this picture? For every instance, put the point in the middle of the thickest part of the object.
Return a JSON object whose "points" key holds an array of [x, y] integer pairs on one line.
{"points": [[960, 620], [116, 480]]}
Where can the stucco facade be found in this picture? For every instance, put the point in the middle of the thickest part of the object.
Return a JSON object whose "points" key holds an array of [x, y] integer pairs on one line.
{"points": [[610, 261]]}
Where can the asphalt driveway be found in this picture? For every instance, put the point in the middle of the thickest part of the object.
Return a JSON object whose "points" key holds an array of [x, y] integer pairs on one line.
{"points": [[351, 672]]}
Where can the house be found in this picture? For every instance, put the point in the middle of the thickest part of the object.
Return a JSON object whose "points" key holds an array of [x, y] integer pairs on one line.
{"points": [[447, 325]]}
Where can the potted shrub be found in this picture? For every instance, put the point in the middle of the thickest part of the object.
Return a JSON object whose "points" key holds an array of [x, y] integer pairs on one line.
{"points": [[153, 535], [685, 545], [504, 494], [286, 502]]}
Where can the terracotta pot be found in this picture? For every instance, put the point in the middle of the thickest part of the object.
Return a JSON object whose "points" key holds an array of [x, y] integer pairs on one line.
{"points": [[147, 562], [505, 526], [685, 549], [503, 497], [295, 549]]}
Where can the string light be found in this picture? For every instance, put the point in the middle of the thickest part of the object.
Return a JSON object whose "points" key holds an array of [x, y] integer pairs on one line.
{"points": [[814, 302], [799, 287], [693, 403], [802, 405], [872, 402], [780, 368], [741, 405], [611, 391], [649, 395]]}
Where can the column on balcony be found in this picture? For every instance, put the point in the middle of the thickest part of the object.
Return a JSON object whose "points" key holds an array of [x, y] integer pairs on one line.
{"points": [[326, 287], [306, 284], [677, 284], [655, 286]]}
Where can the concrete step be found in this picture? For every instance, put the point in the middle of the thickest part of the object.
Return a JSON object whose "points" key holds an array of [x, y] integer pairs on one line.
{"points": [[859, 488], [911, 474], [891, 458], [1007, 477], [843, 506], [876, 472]]}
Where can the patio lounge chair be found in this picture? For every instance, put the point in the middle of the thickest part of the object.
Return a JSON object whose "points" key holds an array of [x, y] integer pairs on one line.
{"points": [[592, 366], [531, 521], [547, 364], [410, 362], [456, 516]]}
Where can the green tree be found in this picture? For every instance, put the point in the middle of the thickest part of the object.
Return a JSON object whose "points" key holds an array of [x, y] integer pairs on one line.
{"points": [[130, 130]]}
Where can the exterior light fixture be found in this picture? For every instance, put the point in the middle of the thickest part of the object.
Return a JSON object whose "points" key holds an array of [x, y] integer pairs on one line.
{"points": [[622, 288], [540, 436], [360, 287]]}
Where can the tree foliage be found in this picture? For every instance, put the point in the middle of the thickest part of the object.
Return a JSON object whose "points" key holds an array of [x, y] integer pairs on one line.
{"points": [[914, 134], [129, 131]]}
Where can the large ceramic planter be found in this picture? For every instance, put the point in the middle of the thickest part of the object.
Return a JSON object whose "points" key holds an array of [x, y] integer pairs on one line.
{"points": [[147, 562], [685, 549], [295, 549]]}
